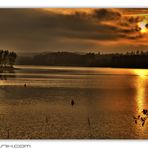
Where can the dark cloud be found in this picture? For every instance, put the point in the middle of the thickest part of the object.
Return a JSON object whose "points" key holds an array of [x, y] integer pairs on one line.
{"points": [[39, 30], [107, 14]]}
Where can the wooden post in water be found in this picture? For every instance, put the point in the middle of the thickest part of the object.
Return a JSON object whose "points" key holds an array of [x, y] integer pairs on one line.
{"points": [[46, 119], [89, 125], [8, 134], [88, 122]]}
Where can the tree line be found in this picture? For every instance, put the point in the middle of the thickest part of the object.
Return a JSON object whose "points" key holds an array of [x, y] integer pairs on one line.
{"points": [[7, 58], [137, 59]]}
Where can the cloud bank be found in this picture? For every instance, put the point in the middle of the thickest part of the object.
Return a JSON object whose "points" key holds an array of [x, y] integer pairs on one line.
{"points": [[78, 30]]}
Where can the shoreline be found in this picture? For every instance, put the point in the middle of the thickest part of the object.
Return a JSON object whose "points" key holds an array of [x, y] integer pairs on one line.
{"points": [[8, 68], [82, 66]]}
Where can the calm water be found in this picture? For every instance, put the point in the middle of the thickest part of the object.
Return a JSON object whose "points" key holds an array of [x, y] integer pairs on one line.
{"points": [[105, 101]]}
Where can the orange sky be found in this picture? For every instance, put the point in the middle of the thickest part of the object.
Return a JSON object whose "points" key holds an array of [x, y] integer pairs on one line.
{"points": [[78, 30]]}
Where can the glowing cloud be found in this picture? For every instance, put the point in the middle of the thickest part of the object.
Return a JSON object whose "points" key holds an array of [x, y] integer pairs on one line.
{"points": [[143, 26]]}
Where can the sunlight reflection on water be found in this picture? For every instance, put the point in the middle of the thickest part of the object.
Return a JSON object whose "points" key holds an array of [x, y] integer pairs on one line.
{"points": [[140, 85]]}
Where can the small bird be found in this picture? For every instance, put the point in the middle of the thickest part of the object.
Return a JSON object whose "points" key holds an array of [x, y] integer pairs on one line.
{"points": [[145, 111], [134, 117], [143, 119], [25, 85], [72, 102], [138, 116]]}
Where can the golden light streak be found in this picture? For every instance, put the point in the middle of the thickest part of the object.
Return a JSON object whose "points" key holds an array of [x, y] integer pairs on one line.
{"points": [[140, 87], [68, 11], [140, 94]]}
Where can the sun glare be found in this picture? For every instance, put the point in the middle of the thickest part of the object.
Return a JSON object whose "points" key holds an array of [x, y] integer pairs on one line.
{"points": [[143, 28], [141, 72]]}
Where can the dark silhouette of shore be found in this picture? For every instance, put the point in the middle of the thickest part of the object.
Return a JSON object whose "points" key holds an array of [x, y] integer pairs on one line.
{"points": [[118, 60]]}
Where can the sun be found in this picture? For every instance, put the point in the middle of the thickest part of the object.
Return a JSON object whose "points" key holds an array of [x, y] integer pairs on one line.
{"points": [[143, 26]]}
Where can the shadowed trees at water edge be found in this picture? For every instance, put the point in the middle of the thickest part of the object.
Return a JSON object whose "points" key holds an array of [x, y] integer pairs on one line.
{"points": [[7, 58], [134, 59]]}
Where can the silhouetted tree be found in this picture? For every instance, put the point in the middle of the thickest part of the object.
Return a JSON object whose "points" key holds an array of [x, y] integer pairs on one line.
{"points": [[7, 59], [12, 57]]}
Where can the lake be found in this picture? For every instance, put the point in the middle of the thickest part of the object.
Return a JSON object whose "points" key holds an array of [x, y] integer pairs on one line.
{"points": [[105, 101]]}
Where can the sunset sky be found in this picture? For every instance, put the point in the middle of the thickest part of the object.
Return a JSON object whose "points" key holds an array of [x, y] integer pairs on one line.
{"points": [[76, 30]]}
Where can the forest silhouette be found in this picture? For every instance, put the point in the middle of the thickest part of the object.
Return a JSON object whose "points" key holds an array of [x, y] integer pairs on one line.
{"points": [[138, 59]]}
